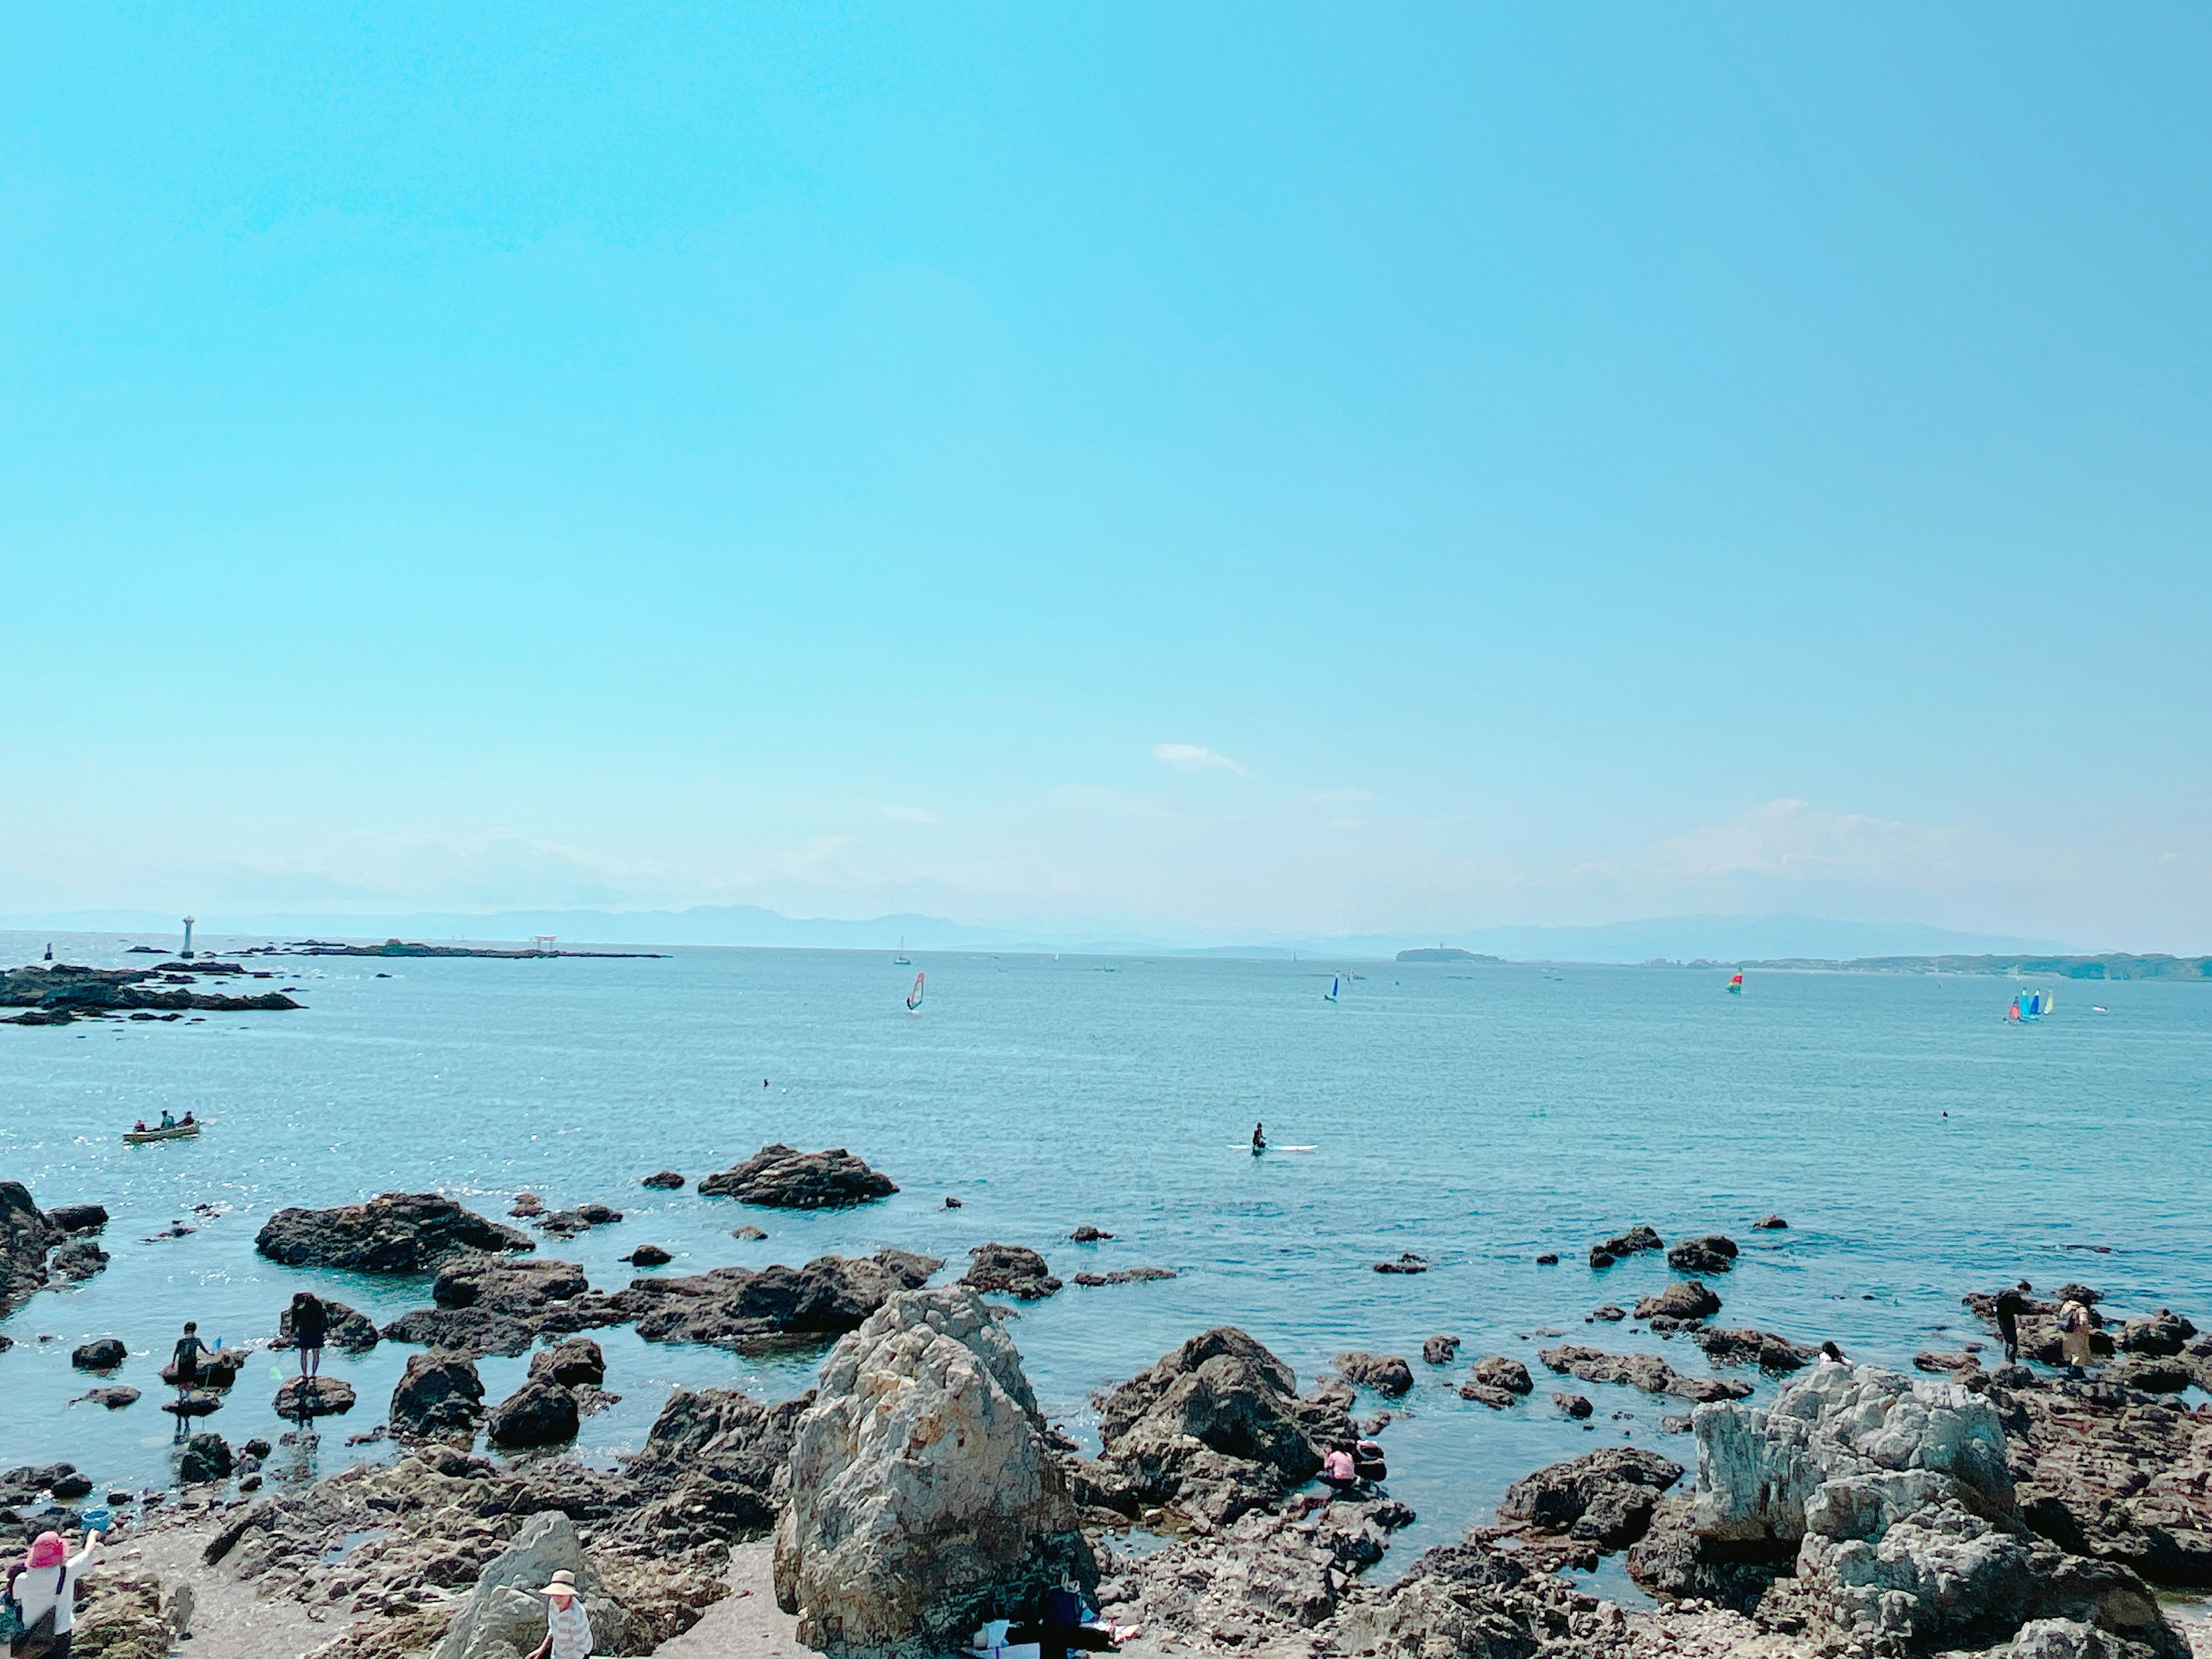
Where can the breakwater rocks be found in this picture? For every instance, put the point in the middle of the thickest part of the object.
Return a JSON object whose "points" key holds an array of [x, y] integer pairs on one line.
{"points": [[394, 947], [56, 994], [392, 1233], [781, 1176]]}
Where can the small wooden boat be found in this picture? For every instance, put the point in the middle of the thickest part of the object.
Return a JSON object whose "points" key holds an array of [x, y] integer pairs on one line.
{"points": [[176, 1132]]}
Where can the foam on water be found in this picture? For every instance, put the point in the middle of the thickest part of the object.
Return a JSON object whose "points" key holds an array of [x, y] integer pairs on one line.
{"points": [[1474, 1115]]}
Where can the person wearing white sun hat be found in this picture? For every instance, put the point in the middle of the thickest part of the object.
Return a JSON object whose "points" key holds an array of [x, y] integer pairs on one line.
{"points": [[568, 1628]]}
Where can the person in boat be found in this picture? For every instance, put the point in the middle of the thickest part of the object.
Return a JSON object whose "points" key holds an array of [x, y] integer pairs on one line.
{"points": [[310, 1321], [187, 1122], [139, 1127], [1259, 1137], [186, 1359], [168, 1119]]}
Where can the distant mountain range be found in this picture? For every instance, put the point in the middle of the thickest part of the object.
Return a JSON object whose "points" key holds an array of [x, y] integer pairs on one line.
{"points": [[1718, 938]]}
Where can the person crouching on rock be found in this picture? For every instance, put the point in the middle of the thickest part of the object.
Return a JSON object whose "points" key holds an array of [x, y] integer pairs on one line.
{"points": [[310, 1320], [1338, 1472], [2073, 1327], [45, 1595], [568, 1627]]}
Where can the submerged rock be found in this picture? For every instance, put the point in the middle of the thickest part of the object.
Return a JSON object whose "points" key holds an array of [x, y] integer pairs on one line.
{"points": [[392, 1233], [1637, 1238], [923, 1497], [1407, 1263], [1126, 1276], [1439, 1350], [1772, 1223], [665, 1181], [780, 1176], [1640, 1370], [1087, 1234]]}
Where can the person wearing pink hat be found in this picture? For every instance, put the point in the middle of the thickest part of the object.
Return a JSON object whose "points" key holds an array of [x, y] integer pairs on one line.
{"points": [[45, 1595]]}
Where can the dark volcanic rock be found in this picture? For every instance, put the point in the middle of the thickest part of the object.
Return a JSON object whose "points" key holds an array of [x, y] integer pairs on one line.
{"points": [[392, 1233], [1440, 1350], [1498, 1372], [1215, 1428], [1087, 1234], [1640, 1370], [198, 1403], [1684, 1300], [206, 1457], [343, 1328], [749, 1233], [739, 1307], [2164, 1333], [79, 1217], [1713, 1253], [440, 1394], [1407, 1263], [1548, 1259], [27, 1233], [1126, 1276], [321, 1396], [577, 1363], [780, 1176], [218, 1371], [62, 992], [78, 1260], [1638, 1237], [72, 1486], [666, 1181], [1611, 1312], [494, 1304], [115, 1398], [648, 1256], [1012, 1268], [715, 1461], [1573, 1404], [1484, 1393], [1772, 1224], [1604, 1497], [538, 1414], [1385, 1373], [102, 1353], [1749, 1346]]}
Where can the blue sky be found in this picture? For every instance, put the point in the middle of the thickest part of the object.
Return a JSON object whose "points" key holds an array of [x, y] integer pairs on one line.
{"points": [[1228, 467]]}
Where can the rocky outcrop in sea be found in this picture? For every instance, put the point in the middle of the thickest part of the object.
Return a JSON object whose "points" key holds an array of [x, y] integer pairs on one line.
{"points": [[783, 1177], [392, 1233]]}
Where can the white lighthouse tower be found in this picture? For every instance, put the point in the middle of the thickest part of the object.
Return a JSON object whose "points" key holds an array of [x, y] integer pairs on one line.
{"points": [[188, 937]]}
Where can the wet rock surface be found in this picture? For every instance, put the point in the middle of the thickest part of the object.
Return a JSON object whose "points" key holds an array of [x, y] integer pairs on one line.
{"points": [[299, 1398], [1011, 1269], [1126, 1276], [1604, 1498], [101, 1354], [206, 1457], [1749, 1346], [1684, 1300], [738, 1307], [1385, 1373], [27, 1235], [782, 1176], [438, 1393], [392, 1233], [1439, 1350], [1635, 1239], [577, 1363], [540, 1412], [924, 1498], [344, 1328], [1715, 1253], [665, 1181], [57, 994], [1639, 1371]]}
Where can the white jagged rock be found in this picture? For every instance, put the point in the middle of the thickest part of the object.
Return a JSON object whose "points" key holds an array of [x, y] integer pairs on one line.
{"points": [[924, 1500]]}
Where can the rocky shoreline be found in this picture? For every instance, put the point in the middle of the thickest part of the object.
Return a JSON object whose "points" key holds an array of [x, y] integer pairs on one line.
{"points": [[918, 1491]]}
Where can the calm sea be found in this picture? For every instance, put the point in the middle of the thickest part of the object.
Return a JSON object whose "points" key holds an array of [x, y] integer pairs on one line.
{"points": [[1919, 1147]]}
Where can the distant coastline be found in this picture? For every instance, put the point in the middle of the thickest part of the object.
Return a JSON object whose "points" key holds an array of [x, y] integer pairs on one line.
{"points": [[2110, 966]]}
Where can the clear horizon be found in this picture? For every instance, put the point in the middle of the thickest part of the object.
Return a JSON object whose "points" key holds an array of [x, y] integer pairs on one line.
{"points": [[1181, 473]]}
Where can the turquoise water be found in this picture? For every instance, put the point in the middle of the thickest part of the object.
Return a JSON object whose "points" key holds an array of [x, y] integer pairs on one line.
{"points": [[1477, 1115]]}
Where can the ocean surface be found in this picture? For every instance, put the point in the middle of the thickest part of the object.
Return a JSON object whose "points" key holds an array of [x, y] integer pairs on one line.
{"points": [[1919, 1147]]}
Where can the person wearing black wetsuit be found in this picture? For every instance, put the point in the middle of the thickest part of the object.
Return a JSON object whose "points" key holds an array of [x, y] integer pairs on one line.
{"points": [[1259, 1138], [310, 1321], [187, 1359], [2009, 1308]]}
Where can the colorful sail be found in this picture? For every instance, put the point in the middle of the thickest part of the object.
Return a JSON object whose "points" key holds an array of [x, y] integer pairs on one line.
{"points": [[913, 997], [1735, 985]]}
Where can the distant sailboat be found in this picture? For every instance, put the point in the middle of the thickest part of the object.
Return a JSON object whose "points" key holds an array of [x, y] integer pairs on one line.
{"points": [[2030, 1004], [1335, 984], [901, 960], [913, 997], [1735, 985]]}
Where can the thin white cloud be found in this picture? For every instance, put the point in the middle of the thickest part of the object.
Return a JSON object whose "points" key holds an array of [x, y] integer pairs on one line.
{"points": [[910, 814], [1346, 797], [1195, 757]]}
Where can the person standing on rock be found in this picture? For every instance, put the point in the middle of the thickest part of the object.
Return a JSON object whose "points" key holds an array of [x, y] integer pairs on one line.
{"points": [[186, 1360], [45, 1595], [2073, 1326], [310, 1321], [568, 1627], [2009, 1308]]}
